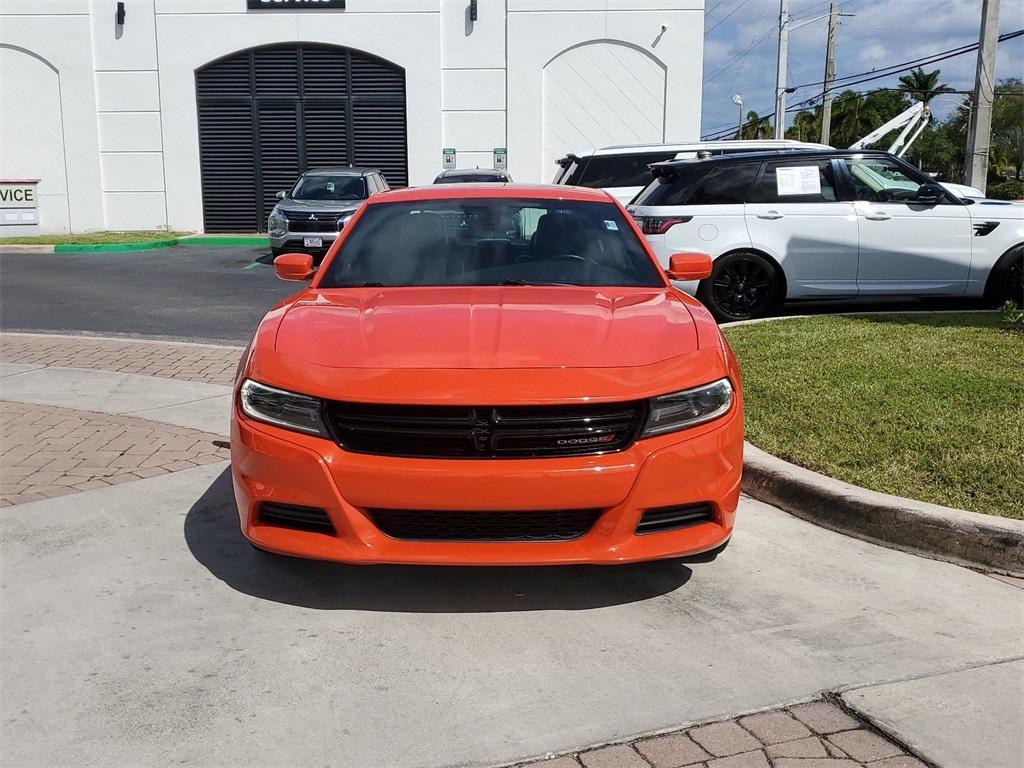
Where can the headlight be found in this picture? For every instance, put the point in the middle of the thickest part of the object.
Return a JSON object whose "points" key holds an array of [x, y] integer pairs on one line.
{"points": [[688, 408], [277, 224], [282, 408], [344, 220]]}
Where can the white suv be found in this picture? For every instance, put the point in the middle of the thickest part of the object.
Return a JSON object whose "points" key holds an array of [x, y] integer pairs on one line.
{"points": [[827, 224], [623, 171]]}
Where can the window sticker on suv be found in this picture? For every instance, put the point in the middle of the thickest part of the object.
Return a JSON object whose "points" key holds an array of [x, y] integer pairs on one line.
{"points": [[798, 180]]}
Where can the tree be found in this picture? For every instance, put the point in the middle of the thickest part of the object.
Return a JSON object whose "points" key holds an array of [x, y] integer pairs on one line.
{"points": [[1007, 146], [756, 127], [923, 86]]}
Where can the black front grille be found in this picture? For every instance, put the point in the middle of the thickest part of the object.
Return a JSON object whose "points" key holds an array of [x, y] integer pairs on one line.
{"points": [[293, 516], [672, 518], [434, 525], [322, 222], [463, 432]]}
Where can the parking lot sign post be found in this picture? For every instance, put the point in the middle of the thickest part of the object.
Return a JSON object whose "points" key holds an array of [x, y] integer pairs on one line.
{"points": [[500, 158], [448, 158]]}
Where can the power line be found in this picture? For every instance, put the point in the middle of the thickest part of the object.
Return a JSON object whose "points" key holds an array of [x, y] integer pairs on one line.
{"points": [[725, 18], [893, 69], [738, 56]]}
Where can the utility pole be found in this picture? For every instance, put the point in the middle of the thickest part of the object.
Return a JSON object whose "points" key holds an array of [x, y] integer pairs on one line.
{"points": [[780, 75], [830, 73], [980, 130]]}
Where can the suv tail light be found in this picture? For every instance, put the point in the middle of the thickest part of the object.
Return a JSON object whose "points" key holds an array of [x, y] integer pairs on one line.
{"points": [[659, 225]]}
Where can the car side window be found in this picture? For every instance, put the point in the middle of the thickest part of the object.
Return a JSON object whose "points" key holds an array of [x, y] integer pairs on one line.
{"points": [[700, 184], [626, 170], [382, 183], [795, 181], [880, 180]]}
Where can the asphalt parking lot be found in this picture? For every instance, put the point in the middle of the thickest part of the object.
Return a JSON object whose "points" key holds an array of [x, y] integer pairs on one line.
{"points": [[193, 293]]}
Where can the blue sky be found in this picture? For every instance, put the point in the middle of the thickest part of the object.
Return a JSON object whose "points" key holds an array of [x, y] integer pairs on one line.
{"points": [[741, 38]]}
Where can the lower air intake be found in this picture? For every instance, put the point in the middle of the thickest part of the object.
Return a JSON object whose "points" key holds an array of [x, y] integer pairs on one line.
{"points": [[672, 518], [434, 525], [293, 516]]}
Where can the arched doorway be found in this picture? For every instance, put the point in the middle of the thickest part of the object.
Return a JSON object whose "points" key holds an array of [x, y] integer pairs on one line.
{"points": [[600, 94], [268, 114]]}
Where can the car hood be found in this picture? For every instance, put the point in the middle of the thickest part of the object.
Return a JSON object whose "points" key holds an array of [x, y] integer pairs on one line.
{"points": [[318, 206], [486, 327]]}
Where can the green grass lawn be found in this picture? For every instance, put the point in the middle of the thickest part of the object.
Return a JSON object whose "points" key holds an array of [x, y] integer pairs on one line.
{"points": [[91, 238], [925, 406]]}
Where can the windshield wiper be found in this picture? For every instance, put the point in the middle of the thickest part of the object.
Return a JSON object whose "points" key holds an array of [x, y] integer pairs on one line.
{"points": [[372, 285], [538, 282]]}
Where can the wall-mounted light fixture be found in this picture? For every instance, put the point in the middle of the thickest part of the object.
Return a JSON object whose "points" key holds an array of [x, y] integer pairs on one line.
{"points": [[472, 10], [119, 16]]}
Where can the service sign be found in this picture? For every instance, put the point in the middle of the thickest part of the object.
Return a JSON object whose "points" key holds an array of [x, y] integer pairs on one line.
{"points": [[295, 5], [18, 194]]}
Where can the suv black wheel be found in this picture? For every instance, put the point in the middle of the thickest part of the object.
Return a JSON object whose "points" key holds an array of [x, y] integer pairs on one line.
{"points": [[742, 286], [1006, 282]]}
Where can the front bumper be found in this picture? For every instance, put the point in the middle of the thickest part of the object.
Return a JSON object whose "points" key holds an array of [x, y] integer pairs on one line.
{"points": [[294, 242], [702, 464]]}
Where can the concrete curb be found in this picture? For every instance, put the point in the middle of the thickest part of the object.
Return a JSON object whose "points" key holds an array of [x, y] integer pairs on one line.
{"points": [[942, 533]]}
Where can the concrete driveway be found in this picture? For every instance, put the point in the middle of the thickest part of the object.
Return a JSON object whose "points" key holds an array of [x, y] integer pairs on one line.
{"points": [[138, 628]]}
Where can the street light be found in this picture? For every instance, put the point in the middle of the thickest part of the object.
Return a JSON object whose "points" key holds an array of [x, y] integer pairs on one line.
{"points": [[738, 101]]}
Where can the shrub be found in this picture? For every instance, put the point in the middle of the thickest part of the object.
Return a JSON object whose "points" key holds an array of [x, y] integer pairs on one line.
{"points": [[1011, 189], [1013, 317]]}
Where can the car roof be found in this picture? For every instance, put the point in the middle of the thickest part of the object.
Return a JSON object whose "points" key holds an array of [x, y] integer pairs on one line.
{"points": [[341, 170], [496, 191], [787, 154], [696, 146]]}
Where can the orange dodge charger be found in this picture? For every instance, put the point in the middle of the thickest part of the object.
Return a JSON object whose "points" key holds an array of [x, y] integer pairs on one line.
{"points": [[493, 375]]}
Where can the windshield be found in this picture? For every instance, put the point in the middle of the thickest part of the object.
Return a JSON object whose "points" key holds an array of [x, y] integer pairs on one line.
{"points": [[323, 187], [491, 242]]}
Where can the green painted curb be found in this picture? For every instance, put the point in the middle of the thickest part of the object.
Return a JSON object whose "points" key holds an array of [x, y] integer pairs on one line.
{"points": [[146, 245], [215, 240], [109, 247]]}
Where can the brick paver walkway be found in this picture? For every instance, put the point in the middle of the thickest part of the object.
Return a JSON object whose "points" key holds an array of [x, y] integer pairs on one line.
{"points": [[49, 451], [814, 735], [192, 362]]}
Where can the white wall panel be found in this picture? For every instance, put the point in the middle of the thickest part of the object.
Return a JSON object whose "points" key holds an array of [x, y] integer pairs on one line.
{"points": [[135, 210], [130, 132], [469, 44], [64, 43], [32, 135], [133, 171], [474, 89], [474, 131], [129, 46], [127, 92]]}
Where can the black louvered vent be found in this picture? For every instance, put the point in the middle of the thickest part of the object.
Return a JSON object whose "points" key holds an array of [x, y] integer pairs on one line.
{"points": [[268, 114]]}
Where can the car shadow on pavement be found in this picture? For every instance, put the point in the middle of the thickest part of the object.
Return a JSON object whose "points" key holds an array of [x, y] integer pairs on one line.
{"points": [[212, 535]]}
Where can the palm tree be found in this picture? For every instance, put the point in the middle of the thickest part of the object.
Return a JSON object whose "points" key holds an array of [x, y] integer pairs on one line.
{"points": [[923, 86], [756, 127]]}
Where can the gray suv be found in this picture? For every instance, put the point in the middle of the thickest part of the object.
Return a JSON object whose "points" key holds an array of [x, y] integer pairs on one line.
{"points": [[311, 214]]}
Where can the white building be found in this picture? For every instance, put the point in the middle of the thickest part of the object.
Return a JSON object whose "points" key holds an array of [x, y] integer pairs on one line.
{"points": [[191, 114]]}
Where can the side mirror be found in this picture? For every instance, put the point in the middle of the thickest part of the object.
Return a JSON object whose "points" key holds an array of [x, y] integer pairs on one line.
{"points": [[689, 266], [294, 266], [282, 195], [929, 194]]}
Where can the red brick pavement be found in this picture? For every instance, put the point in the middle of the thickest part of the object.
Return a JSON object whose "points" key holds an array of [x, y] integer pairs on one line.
{"points": [[171, 360], [814, 735], [49, 451]]}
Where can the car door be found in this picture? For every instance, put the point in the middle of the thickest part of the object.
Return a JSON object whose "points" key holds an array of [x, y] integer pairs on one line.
{"points": [[795, 213], [905, 247]]}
